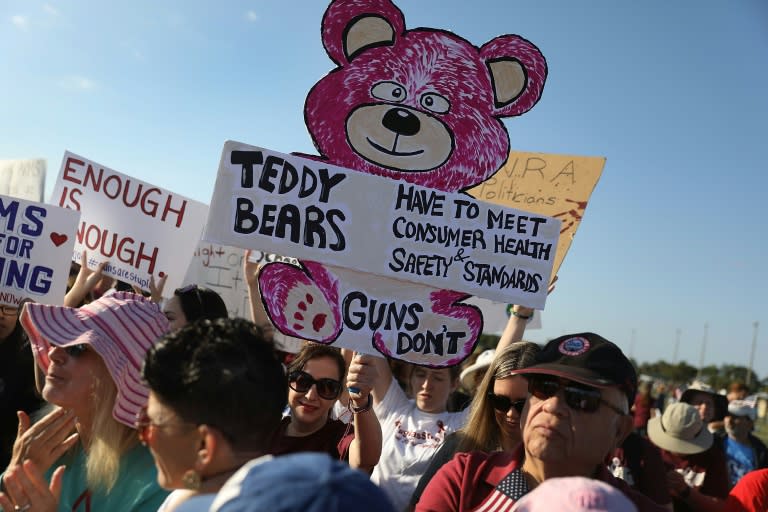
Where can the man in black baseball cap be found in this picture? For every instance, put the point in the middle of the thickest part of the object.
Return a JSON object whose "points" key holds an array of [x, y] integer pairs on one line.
{"points": [[580, 389]]}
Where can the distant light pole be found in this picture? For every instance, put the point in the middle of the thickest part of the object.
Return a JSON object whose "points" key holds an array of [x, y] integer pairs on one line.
{"points": [[703, 350], [755, 325], [677, 346]]}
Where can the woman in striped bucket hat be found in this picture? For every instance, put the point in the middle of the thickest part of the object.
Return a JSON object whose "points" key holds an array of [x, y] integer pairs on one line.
{"points": [[92, 358]]}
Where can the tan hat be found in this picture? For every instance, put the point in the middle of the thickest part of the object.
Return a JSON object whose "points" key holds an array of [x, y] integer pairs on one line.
{"points": [[482, 362], [680, 430]]}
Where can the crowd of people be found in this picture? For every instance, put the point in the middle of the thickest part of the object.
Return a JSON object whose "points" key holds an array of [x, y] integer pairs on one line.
{"points": [[120, 401]]}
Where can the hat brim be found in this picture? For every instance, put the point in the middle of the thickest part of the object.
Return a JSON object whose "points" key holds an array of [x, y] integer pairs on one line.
{"points": [[48, 325], [720, 402], [63, 326], [467, 373], [580, 375], [660, 438]]}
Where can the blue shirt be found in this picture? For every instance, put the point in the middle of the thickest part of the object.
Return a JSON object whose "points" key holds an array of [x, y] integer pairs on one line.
{"points": [[740, 459]]}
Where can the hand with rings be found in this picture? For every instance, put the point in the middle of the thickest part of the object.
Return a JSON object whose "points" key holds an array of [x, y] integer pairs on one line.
{"points": [[26, 489]]}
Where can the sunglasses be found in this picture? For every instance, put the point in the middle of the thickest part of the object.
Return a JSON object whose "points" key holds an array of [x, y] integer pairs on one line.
{"points": [[76, 350], [146, 428], [577, 396], [503, 403], [301, 382], [191, 288]]}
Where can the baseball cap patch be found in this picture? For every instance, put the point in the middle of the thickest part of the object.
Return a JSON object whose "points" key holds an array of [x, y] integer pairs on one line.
{"points": [[574, 346]]}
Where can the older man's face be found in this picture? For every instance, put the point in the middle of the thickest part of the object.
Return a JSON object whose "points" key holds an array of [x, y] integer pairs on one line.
{"points": [[569, 437]]}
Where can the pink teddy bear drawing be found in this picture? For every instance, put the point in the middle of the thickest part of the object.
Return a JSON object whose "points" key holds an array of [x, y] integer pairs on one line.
{"points": [[420, 105]]}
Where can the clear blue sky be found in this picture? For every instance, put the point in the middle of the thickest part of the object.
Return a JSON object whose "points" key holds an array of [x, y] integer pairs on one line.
{"points": [[672, 93]]}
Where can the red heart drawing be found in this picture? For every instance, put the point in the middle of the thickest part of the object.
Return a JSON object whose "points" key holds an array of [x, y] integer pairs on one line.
{"points": [[58, 238]]}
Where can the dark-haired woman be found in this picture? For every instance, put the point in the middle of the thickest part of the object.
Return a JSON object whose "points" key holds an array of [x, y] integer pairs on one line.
{"points": [[315, 380], [191, 303]]}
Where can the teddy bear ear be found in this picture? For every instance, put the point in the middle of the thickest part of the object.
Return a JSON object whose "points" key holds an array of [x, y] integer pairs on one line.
{"points": [[353, 26], [518, 71]]}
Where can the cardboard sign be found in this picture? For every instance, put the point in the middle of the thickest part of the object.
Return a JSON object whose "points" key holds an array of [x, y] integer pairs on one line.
{"points": [[554, 185], [141, 229], [220, 268], [36, 243], [309, 209], [24, 179]]}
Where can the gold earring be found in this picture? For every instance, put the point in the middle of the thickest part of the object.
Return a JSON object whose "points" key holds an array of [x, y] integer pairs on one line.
{"points": [[191, 480]]}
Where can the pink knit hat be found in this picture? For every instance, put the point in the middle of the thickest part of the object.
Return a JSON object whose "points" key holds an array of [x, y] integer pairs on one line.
{"points": [[120, 327], [574, 494]]}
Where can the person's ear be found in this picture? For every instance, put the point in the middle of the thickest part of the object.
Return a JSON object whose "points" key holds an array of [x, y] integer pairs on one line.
{"points": [[209, 445]]}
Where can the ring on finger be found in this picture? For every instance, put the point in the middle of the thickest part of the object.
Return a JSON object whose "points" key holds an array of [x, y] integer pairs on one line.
{"points": [[22, 508]]}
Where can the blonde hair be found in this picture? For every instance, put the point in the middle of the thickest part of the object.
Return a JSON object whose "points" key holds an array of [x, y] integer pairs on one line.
{"points": [[481, 431], [109, 439]]}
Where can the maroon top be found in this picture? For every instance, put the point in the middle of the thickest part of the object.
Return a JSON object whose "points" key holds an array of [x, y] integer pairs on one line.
{"points": [[706, 471], [642, 412], [333, 439], [468, 479], [638, 462]]}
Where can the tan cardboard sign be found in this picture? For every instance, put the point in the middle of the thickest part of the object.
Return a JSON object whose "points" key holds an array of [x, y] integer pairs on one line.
{"points": [[553, 185]]}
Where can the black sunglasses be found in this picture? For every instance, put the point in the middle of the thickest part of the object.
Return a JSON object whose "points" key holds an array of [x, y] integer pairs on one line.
{"points": [[503, 403], [301, 382], [578, 396], [76, 350]]}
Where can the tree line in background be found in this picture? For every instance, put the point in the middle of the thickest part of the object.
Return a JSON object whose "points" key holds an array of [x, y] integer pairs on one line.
{"points": [[719, 377]]}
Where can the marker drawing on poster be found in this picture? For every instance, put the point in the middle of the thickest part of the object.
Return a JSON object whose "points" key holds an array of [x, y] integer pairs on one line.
{"points": [[36, 243], [296, 206], [143, 230], [404, 125]]}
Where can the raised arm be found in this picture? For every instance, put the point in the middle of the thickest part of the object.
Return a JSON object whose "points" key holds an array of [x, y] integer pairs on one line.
{"points": [[365, 450], [518, 320], [383, 378], [85, 282], [258, 313]]}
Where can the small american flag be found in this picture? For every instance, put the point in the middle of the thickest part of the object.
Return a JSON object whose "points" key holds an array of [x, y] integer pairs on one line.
{"points": [[510, 489]]}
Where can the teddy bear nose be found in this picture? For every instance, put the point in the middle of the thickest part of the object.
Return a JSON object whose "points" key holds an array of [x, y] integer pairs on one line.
{"points": [[401, 121]]}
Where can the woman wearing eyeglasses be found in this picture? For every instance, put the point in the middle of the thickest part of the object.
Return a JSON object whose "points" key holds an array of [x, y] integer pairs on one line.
{"points": [[494, 418], [315, 380], [87, 448], [217, 392]]}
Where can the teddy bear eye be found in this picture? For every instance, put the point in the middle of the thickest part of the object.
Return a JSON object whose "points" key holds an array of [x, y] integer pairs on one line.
{"points": [[435, 103], [389, 91]]}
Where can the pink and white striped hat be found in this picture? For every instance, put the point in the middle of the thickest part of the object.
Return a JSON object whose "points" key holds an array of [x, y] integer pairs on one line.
{"points": [[120, 327]]}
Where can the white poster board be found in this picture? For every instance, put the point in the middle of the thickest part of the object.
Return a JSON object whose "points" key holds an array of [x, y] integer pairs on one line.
{"points": [[140, 228], [309, 209], [24, 178], [36, 243]]}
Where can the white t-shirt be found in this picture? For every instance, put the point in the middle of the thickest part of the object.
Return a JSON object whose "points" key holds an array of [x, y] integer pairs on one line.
{"points": [[410, 439]]}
